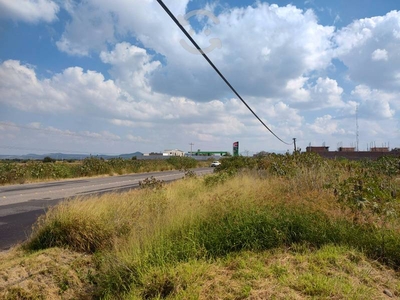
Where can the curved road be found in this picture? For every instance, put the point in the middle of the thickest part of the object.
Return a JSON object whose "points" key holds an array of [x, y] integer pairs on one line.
{"points": [[21, 205]]}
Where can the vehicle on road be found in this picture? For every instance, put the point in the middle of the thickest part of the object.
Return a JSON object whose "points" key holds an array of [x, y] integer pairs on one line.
{"points": [[215, 163]]}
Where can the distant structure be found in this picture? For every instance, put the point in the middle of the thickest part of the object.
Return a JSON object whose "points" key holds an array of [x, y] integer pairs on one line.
{"points": [[317, 149], [209, 153], [352, 154], [174, 152], [379, 149], [346, 149]]}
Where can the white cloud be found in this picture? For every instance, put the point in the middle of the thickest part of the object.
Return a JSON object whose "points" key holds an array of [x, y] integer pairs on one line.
{"points": [[380, 54], [105, 20], [90, 28], [326, 125], [31, 11], [265, 44], [73, 90], [138, 139], [374, 103], [131, 67], [159, 94], [327, 93], [324, 93], [366, 45], [263, 47], [87, 93], [296, 90], [20, 88]]}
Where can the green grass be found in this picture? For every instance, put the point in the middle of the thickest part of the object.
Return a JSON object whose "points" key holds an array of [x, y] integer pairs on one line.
{"points": [[277, 230]]}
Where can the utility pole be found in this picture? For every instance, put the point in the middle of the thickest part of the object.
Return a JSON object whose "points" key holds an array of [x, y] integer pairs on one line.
{"points": [[357, 127], [191, 152], [294, 143]]}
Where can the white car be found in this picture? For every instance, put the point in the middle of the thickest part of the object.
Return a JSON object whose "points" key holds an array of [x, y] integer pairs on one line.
{"points": [[215, 163]]}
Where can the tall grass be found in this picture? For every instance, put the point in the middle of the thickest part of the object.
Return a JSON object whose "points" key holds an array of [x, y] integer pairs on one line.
{"points": [[280, 202], [13, 172]]}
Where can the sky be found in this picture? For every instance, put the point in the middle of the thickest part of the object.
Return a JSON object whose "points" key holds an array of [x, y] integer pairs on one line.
{"points": [[112, 77]]}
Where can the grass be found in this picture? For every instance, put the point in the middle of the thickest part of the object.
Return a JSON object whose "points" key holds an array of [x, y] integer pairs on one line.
{"points": [[50, 274], [274, 232], [35, 171]]}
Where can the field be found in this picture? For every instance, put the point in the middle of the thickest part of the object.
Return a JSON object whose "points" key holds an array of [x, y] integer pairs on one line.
{"points": [[273, 227], [32, 171]]}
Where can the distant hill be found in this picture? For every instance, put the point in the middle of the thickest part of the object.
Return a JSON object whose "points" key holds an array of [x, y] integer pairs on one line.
{"points": [[62, 156]]}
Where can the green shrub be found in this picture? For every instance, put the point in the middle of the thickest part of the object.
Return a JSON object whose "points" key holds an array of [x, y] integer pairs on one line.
{"points": [[94, 166], [182, 162], [48, 159]]}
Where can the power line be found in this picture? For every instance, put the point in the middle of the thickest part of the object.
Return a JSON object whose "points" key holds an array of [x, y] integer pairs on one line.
{"points": [[166, 9]]}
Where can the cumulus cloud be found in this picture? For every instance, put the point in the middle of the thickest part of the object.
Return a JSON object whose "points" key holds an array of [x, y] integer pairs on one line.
{"points": [[131, 67], [326, 125], [370, 49], [104, 21], [380, 54], [375, 103], [276, 57], [263, 47], [98, 29], [31, 11], [266, 44], [20, 88], [73, 90], [324, 93], [327, 93]]}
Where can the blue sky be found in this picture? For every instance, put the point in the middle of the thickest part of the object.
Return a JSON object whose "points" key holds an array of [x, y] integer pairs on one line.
{"points": [[112, 77]]}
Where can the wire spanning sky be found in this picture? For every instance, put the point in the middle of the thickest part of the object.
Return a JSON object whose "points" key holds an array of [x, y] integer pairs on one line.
{"points": [[119, 76]]}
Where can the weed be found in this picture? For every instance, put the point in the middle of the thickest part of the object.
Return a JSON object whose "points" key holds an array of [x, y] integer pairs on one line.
{"points": [[151, 183]]}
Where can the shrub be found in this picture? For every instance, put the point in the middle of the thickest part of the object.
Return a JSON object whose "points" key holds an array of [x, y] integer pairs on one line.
{"points": [[181, 162], [94, 166], [151, 183], [70, 228], [48, 159]]}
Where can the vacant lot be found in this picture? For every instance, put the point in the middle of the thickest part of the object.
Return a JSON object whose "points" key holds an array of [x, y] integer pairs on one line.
{"points": [[280, 227]]}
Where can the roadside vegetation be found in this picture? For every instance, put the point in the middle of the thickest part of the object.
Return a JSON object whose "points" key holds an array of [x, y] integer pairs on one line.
{"points": [[278, 226], [12, 172]]}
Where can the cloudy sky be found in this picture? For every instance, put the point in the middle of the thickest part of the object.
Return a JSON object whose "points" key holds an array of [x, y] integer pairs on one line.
{"points": [[100, 76]]}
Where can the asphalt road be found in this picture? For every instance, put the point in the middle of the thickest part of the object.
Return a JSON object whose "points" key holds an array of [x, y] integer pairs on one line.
{"points": [[21, 205]]}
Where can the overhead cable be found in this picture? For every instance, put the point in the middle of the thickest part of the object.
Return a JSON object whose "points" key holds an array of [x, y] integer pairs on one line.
{"points": [[166, 9]]}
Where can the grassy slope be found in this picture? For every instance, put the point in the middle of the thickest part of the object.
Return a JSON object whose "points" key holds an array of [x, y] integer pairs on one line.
{"points": [[253, 236]]}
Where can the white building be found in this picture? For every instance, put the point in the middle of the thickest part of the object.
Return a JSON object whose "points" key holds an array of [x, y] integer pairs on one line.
{"points": [[174, 152]]}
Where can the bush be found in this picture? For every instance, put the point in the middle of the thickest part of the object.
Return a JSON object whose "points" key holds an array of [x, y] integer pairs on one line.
{"points": [[151, 183], [182, 163], [94, 166], [48, 159]]}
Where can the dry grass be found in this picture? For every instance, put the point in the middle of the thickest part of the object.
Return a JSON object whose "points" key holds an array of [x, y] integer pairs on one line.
{"points": [[328, 273], [122, 246], [51, 274]]}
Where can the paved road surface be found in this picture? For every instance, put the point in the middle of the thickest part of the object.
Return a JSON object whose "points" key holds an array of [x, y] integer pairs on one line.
{"points": [[21, 205]]}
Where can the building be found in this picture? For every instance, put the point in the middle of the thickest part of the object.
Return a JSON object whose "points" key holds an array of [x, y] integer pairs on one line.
{"points": [[379, 149], [346, 149], [174, 152], [317, 149], [350, 152]]}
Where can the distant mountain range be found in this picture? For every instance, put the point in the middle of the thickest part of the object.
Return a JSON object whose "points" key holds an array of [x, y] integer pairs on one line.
{"points": [[61, 156]]}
